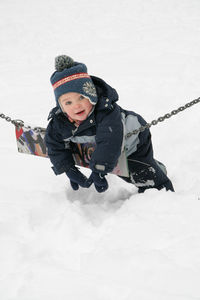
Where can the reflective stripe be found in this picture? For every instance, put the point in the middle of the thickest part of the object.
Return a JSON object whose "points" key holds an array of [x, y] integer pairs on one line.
{"points": [[81, 139], [130, 123]]}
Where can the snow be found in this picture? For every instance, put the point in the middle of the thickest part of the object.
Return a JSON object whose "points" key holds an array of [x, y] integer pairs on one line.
{"points": [[120, 245]]}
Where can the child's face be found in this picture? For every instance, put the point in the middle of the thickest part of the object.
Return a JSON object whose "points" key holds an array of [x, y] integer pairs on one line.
{"points": [[75, 106]]}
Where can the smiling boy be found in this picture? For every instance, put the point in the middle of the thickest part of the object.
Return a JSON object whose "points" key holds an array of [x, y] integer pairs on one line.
{"points": [[86, 112]]}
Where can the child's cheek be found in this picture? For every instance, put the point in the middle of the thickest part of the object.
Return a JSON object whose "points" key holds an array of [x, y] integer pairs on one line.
{"points": [[90, 106]]}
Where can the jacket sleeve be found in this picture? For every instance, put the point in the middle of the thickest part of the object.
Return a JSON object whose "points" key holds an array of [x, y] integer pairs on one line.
{"points": [[109, 138], [59, 152]]}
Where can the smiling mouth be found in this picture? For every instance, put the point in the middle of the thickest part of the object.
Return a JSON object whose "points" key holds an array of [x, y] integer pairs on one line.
{"points": [[80, 112]]}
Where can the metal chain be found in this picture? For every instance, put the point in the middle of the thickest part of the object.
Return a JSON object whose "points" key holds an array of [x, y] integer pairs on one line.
{"points": [[161, 119], [20, 123]]}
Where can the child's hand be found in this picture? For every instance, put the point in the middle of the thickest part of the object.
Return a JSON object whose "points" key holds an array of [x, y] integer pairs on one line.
{"points": [[78, 179], [100, 182]]}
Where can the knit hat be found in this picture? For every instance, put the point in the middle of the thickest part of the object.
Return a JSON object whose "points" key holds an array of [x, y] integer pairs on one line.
{"points": [[71, 76]]}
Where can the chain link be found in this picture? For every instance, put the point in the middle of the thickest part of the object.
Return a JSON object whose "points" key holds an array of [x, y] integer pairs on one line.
{"points": [[161, 119], [17, 123]]}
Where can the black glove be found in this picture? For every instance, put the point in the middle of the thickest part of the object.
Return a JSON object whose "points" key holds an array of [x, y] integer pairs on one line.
{"points": [[100, 181], [77, 178]]}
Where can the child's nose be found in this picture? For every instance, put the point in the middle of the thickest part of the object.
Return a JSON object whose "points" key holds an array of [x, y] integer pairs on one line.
{"points": [[77, 105]]}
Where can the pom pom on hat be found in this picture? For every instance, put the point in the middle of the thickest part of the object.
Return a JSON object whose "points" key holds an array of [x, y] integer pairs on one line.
{"points": [[63, 62], [71, 76]]}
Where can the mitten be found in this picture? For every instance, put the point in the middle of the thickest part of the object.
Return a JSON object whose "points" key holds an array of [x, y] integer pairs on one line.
{"points": [[100, 182], [78, 179]]}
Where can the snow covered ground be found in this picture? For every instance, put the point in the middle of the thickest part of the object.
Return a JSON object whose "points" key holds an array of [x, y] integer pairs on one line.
{"points": [[60, 244]]}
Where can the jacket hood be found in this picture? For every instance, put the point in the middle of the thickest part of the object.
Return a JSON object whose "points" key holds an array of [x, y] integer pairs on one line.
{"points": [[104, 89]]}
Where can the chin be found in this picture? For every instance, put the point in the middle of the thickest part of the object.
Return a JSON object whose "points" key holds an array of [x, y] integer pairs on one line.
{"points": [[82, 118]]}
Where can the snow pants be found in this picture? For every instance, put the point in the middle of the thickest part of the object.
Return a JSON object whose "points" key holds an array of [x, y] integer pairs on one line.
{"points": [[145, 171]]}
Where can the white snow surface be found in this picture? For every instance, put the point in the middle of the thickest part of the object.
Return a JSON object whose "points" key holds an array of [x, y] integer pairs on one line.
{"points": [[120, 245]]}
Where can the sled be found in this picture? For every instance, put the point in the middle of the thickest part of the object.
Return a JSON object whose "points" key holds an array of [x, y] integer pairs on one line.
{"points": [[30, 140]]}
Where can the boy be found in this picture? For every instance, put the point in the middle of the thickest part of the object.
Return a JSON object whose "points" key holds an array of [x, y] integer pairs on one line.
{"points": [[86, 111]]}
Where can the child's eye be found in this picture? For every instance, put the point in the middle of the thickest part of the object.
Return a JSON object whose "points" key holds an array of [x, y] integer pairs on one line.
{"points": [[68, 102]]}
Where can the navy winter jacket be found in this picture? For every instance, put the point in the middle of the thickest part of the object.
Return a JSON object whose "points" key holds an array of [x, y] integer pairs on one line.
{"points": [[106, 126]]}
